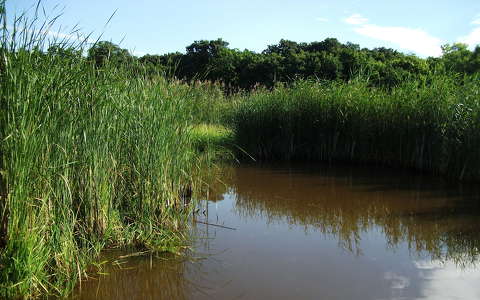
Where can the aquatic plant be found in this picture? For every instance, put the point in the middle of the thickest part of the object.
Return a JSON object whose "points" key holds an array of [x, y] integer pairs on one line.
{"points": [[430, 125], [91, 157]]}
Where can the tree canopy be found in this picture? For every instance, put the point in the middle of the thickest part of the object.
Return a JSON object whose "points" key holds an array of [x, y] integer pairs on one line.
{"points": [[286, 61]]}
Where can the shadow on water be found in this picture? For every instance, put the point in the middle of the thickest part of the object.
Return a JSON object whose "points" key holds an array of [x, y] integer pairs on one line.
{"points": [[307, 232]]}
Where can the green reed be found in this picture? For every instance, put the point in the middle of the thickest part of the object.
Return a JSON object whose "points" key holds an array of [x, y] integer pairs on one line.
{"points": [[432, 125], [90, 158]]}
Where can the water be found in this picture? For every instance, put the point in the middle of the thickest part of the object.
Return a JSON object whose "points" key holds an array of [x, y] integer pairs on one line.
{"points": [[316, 232]]}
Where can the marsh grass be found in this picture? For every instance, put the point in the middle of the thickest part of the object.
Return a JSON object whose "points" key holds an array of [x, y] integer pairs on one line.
{"points": [[204, 135], [100, 157], [214, 141], [431, 125], [90, 158]]}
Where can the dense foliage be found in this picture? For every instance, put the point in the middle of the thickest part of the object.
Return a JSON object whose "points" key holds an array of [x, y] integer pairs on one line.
{"points": [[91, 156], [433, 127], [288, 61]]}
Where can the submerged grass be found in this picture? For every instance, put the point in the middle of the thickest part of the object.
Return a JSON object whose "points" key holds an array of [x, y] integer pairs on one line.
{"points": [[90, 158], [433, 126]]}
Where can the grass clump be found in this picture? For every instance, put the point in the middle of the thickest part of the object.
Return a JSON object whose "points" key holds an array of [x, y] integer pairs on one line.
{"points": [[215, 140], [90, 158], [430, 125], [205, 134]]}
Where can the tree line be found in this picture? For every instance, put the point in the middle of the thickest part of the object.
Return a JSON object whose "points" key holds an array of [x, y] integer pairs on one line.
{"points": [[213, 60]]}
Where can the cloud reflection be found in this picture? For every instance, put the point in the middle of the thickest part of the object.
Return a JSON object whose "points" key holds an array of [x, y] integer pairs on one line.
{"points": [[444, 280]]}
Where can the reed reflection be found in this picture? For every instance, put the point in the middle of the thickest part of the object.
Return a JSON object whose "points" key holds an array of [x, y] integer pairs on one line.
{"points": [[129, 276], [432, 217]]}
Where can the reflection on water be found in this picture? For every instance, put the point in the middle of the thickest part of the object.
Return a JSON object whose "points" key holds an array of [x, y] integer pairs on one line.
{"points": [[427, 214], [444, 280], [130, 277], [310, 232]]}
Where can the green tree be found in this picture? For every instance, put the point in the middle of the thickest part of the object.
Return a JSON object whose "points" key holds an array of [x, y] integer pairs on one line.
{"points": [[283, 48], [456, 57], [474, 62], [197, 62], [63, 51], [104, 51], [330, 45]]}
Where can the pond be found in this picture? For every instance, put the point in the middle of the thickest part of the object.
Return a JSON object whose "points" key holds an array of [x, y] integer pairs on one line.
{"points": [[316, 232]]}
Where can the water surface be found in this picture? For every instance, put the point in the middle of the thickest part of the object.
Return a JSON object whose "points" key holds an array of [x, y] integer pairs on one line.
{"points": [[316, 232]]}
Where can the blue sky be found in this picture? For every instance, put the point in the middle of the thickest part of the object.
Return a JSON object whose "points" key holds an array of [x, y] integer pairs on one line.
{"points": [[156, 27]]}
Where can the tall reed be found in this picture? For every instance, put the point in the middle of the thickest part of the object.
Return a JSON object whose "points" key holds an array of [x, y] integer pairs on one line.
{"points": [[89, 158], [430, 125]]}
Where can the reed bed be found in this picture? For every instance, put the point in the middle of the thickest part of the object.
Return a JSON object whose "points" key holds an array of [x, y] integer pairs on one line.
{"points": [[432, 125], [90, 158]]}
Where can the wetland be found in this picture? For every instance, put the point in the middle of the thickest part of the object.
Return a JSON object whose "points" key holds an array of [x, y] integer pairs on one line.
{"points": [[310, 231]]}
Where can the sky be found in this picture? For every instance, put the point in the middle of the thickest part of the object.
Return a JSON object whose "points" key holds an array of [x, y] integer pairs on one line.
{"points": [[417, 27]]}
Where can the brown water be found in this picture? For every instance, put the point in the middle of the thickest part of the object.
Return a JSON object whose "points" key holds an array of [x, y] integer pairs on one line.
{"points": [[317, 232]]}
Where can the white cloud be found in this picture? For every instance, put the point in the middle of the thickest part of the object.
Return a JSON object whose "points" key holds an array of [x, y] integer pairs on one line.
{"points": [[415, 40], [356, 19], [56, 35], [138, 53], [320, 19], [472, 39]]}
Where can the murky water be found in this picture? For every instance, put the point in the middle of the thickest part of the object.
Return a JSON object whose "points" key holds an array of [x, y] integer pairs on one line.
{"points": [[317, 232]]}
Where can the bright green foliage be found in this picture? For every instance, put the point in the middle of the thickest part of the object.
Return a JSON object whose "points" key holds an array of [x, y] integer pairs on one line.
{"points": [[215, 140], [90, 157], [456, 57], [433, 127]]}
